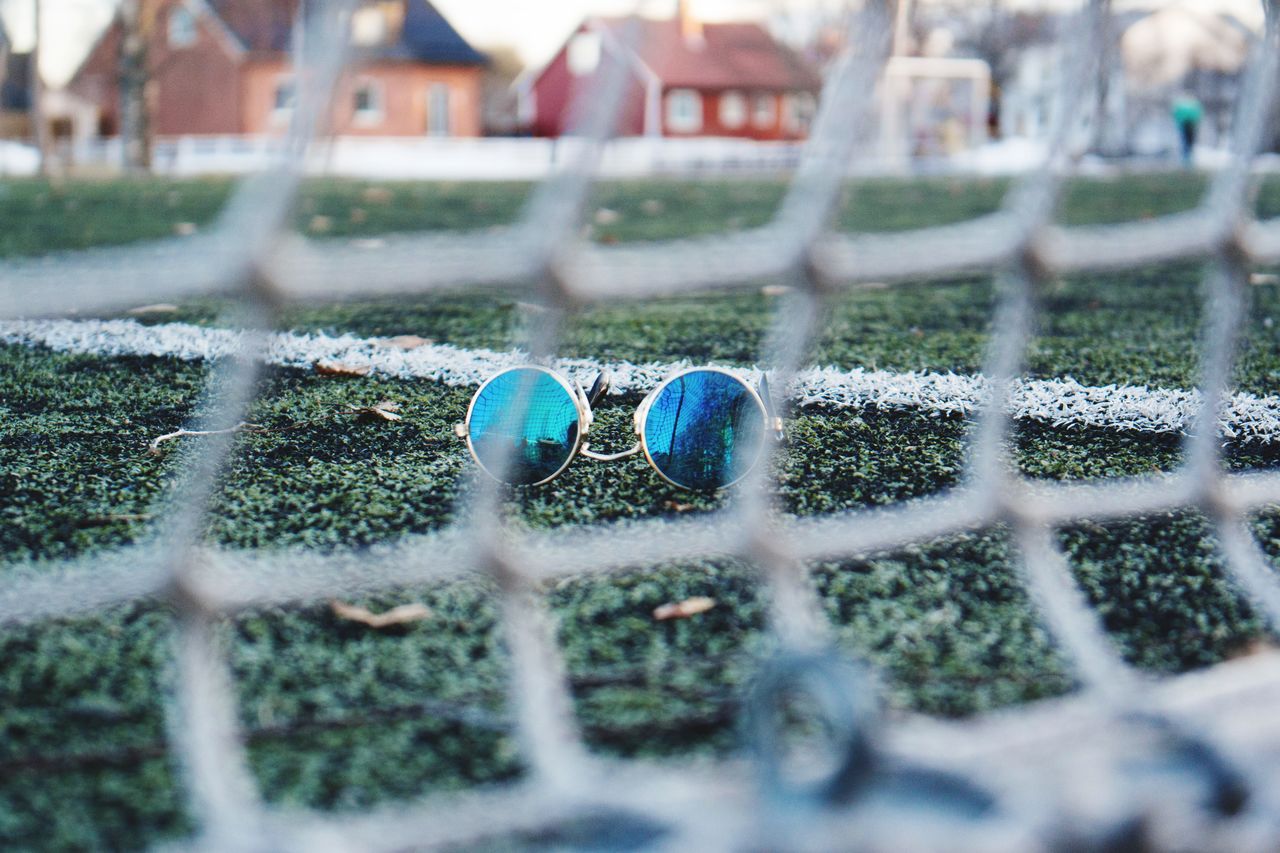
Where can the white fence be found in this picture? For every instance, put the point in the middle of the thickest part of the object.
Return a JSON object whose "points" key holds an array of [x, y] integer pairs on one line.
{"points": [[450, 159]]}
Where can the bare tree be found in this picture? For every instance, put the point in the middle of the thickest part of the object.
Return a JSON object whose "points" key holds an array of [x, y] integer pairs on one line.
{"points": [[135, 18], [39, 122]]}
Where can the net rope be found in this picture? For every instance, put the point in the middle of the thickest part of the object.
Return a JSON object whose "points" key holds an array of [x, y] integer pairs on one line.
{"points": [[1055, 774]]}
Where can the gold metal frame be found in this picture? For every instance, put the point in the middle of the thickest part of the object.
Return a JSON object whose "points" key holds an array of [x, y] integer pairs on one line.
{"points": [[642, 417], [575, 392], [585, 417]]}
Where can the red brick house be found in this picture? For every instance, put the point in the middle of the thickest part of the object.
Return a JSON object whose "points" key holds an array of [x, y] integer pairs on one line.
{"points": [[223, 67], [686, 78]]}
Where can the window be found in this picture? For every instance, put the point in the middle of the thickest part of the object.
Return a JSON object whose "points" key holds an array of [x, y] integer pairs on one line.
{"points": [[368, 104], [764, 110], [733, 110], [584, 53], [684, 111], [285, 98], [438, 110], [798, 109], [182, 27], [368, 27]]}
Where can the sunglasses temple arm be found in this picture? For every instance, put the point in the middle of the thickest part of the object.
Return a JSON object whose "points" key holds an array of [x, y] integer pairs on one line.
{"points": [[775, 422], [599, 388]]}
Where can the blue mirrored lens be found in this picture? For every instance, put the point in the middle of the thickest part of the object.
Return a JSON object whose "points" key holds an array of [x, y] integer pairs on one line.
{"points": [[704, 430], [528, 417]]}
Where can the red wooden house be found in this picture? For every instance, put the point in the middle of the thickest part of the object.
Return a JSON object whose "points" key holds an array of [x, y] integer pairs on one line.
{"points": [[223, 67], [686, 78]]}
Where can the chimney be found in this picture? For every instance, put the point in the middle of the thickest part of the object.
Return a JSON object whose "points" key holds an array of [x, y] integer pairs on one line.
{"points": [[690, 27]]}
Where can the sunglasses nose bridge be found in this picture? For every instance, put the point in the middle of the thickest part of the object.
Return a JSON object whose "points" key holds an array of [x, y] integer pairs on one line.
{"points": [[586, 451]]}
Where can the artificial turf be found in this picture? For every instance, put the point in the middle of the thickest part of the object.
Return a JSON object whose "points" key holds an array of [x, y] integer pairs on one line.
{"points": [[340, 715]]}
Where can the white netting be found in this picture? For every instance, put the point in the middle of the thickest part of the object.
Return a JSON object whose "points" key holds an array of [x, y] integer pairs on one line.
{"points": [[1059, 775]]}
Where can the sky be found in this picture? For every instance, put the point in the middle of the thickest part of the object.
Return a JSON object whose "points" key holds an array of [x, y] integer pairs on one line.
{"points": [[536, 28]]}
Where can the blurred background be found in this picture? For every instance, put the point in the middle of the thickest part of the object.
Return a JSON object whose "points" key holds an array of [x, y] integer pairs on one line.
{"points": [[459, 89]]}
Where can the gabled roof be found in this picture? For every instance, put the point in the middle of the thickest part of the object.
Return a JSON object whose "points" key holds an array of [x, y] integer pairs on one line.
{"points": [[724, 56], [429, 37], [263, 26], [266, 27]]}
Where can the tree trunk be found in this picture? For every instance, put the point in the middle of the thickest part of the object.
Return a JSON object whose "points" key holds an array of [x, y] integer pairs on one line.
{"points": [[39, 122], [135, 130]]}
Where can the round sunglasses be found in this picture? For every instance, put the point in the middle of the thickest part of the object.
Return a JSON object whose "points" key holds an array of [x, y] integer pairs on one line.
{"points": [[702, 428]]}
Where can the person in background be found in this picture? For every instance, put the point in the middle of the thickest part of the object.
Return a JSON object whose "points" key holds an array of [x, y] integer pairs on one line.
{"points": [[1187, 113]]}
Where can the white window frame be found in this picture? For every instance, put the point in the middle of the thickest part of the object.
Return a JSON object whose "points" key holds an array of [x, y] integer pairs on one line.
{"points": [[181, 28], [768, 116], [677, 119], [368, 27], [798, 110], [584, 52], [374, 115], [433, 128], [733, 109]]}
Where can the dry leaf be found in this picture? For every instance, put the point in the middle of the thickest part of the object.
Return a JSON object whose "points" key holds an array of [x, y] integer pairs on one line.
{"points": [[605, 216], [386, 410], [684, 609], [337, 368], [676, 506], [158, 308], [320, 224], [1257, 646], [401, 615], [406, 342], [1264, 278]]}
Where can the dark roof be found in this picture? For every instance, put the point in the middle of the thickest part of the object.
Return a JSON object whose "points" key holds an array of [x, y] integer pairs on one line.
{"points": [[430, 38], [728, 56], [266, 26]]}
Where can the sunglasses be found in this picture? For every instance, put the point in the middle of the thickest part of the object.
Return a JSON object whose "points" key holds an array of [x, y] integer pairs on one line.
{"points": [[700, 429]]}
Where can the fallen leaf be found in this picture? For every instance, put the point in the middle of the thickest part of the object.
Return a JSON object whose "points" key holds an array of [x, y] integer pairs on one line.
{"points": [[406, 342], [684, 609], [1257, 646], [1264, 278], [386, 410], [676, 506], [401, 615], [337, 368], [605, 216], [158, 308], [320, 224]]}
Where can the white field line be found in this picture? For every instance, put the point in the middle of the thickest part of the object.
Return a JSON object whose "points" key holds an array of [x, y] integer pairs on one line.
{"points": [[1061, 402]]}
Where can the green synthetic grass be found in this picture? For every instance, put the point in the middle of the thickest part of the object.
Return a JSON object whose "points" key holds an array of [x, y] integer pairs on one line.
{"points": [[339, 715]]}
